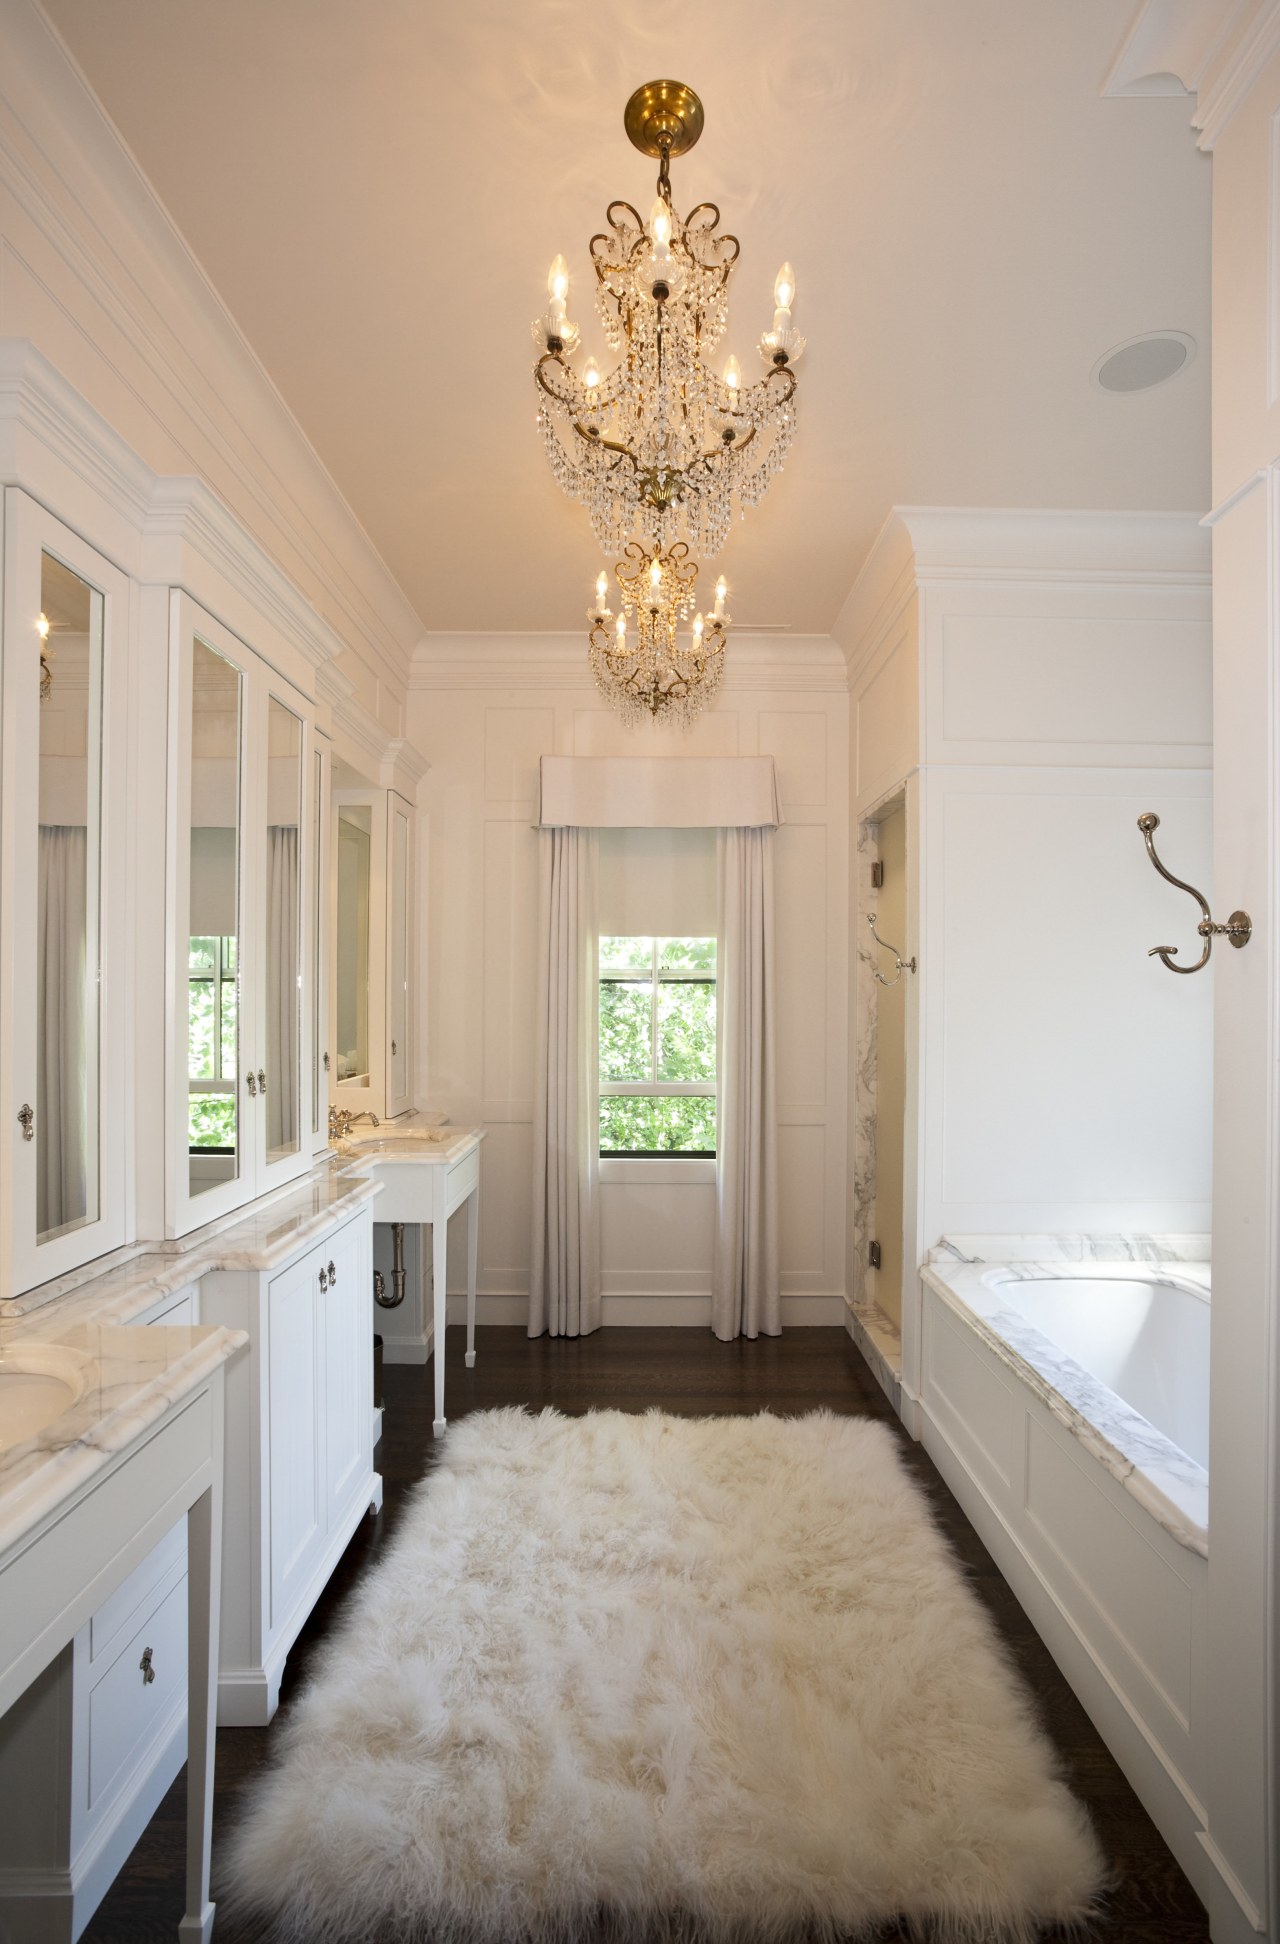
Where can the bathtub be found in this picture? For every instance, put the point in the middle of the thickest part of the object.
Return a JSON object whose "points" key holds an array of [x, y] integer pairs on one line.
{"points": [[1066, 1403]]}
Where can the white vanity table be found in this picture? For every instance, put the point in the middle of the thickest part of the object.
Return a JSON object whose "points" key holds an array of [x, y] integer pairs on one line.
{"points": [[89, 1494], [425, 1174]]}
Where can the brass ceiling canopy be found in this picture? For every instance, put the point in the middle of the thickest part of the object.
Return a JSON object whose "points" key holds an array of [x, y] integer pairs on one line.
{"points": [[663, 118]]}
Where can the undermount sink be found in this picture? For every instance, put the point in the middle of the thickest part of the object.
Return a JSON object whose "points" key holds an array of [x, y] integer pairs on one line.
{"points": [[36, 1386]]}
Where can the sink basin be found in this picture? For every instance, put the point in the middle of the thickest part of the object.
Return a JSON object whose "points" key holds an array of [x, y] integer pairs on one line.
{"points": [[36, 1386]]}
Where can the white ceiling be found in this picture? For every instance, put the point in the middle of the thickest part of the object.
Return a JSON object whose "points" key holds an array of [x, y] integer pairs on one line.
{"points": [[376, 190]]}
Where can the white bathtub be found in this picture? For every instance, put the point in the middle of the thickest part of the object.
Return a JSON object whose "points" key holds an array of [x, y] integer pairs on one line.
{"points": [[1065, 1402]]}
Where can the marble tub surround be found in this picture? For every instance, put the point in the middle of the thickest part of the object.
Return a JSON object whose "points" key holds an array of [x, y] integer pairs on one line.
{"points": [[880, 1341], [276, 1230], [128, 1379], [1043, 1249], [1161, 1477]]}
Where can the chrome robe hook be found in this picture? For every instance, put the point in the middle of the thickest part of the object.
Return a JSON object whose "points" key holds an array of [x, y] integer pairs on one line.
{"points": [[1238, 928], [903, 965]]}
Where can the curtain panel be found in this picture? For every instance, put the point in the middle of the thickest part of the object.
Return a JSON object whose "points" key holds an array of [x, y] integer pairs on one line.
{"points": [[744, 1276], [564, 1288]]}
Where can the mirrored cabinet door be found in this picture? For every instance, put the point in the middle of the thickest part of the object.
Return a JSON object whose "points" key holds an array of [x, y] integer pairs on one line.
{"points": [[399, 999], [64, 683], [280, 1071], [211, 1043], [321, 1059]]}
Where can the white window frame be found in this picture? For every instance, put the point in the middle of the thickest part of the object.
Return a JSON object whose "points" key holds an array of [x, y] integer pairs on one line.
{"points": [[654, 1088]]}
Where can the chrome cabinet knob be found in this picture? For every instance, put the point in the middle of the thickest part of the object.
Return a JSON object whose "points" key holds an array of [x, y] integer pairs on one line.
{"points": [[262, 1082], [250, 1082], [148, 1671], [27, 1120], [333, 1277], [324, 1282]]}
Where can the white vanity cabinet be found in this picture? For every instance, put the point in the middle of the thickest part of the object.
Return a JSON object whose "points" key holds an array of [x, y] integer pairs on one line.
{"points": [[91, 1747], [64, 913], [299, 1449], [242, 891]]}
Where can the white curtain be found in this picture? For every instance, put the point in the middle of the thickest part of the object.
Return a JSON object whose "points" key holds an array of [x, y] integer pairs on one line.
{"points": [[282, 988], [62, 1119], [744, 1277], [564, 1290]]}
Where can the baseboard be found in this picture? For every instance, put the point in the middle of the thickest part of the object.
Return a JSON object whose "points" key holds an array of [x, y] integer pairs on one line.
{"points": [[407, 1350], [644, 1313]]}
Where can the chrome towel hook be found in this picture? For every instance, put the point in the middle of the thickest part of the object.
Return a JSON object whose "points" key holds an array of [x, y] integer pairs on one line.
{"points": [[903, 965], [1238, 928]]}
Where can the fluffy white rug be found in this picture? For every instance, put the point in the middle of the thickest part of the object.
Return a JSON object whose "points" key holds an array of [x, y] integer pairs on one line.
{"points": [[696, 1678]]}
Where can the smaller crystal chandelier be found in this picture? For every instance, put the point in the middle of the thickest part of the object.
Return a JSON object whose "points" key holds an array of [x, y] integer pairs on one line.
{"points": [[640, 663]]}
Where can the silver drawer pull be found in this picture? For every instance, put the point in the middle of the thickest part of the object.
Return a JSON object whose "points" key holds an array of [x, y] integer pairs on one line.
{"points": [[148, 1671], [250, 1082], [262, 1083], [333, 1276], [324, 1282], [27, 1121]]}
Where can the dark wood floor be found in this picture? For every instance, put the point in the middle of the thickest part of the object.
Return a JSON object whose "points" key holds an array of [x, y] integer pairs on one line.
{"points": [[689, 1372]]}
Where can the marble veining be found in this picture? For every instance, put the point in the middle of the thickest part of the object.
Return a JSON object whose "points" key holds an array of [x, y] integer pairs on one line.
{"points": [[1162, 1478], [129, 1378], [1131, 1247], [270, 1234]]}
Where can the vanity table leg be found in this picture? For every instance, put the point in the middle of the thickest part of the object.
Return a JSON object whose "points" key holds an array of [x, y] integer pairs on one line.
{"points": [[204, 1593], [473, 1257], [439, 1254]]}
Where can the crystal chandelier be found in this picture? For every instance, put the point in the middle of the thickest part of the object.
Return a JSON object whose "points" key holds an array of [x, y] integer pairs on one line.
{"points": [[662, 446], [639, 661]]}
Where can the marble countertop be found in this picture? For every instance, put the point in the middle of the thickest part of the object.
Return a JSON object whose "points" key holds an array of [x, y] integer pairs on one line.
{"points": [[433, 1145], [271, 1233], [126, 1379], [1168, 1484]]}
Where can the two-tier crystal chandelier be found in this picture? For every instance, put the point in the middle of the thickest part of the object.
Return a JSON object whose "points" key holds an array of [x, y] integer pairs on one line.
{"points": [[638, 658], [660, 449]]}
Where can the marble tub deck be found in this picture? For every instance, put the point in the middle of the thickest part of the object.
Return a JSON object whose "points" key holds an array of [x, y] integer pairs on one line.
{"points": [[1161, 1477]]}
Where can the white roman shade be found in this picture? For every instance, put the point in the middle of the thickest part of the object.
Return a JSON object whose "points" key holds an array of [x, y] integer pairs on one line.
{"points": [[659, 792]]}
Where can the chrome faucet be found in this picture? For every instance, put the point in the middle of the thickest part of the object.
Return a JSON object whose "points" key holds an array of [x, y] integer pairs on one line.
{"points": [[341, 1119]]}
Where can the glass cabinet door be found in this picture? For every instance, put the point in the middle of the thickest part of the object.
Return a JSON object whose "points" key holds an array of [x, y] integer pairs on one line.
{"points": [[64, 655], [213, 735]]}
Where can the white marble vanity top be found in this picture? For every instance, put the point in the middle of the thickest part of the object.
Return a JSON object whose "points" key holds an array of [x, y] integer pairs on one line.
{"points": [[268, 1235], [127, 1379], [415, 1143], [1171, 1486]]}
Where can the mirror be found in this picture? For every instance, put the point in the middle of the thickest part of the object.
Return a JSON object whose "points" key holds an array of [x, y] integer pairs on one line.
{"points": [[280, 1079], [398, 955], [351, 953], [319, 1079], [68, 1189], [213, 972]]}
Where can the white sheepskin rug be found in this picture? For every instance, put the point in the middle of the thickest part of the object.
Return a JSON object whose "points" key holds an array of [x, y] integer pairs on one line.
{"points": [[651, 1677]]}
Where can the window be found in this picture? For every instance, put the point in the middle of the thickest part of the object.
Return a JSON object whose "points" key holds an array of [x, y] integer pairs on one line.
{"points": [[657, 1046], [211, 1038]]}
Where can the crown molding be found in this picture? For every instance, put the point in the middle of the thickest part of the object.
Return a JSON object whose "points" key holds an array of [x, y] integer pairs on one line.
{"points": [[360, 740], [1211, 50], [525, 663]]}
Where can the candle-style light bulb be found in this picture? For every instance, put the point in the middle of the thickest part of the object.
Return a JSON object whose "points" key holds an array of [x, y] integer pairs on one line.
{"points": [[622, 629], [602, 588], [660, 223], [655, 575], [558, 279], [698, 625], [721, 590], [784, 287], [591, 374], [733, 374], [42, 627]]}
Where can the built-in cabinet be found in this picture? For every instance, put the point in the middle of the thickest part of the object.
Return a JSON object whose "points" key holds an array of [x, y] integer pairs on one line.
{"points": [[244, 923], [63, 899], [371, 1007], [299, 1449]]}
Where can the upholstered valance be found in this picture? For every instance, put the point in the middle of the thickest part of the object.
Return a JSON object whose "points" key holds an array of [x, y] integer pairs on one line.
{"points": [[659, 792]]}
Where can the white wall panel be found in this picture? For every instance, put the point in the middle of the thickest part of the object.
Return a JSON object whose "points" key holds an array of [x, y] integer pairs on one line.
{"points": [[797, 741], [600, 732], [514, 739], [1071, 689], [511, 942], [800, 951], [802, 1210]]}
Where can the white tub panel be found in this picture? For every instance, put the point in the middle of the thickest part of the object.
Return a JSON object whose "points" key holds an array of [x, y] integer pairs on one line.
{"points": [[1093, 1549], [978, 1405]]}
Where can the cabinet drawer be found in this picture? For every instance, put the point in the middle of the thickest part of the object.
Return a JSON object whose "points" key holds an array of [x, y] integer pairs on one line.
{"points": [[125, 1710], [461, 1179], [119, 1608], [182, 1307]]}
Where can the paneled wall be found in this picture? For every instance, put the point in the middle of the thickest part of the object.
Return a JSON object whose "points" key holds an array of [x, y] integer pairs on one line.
{"points": [[483, 711]]}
